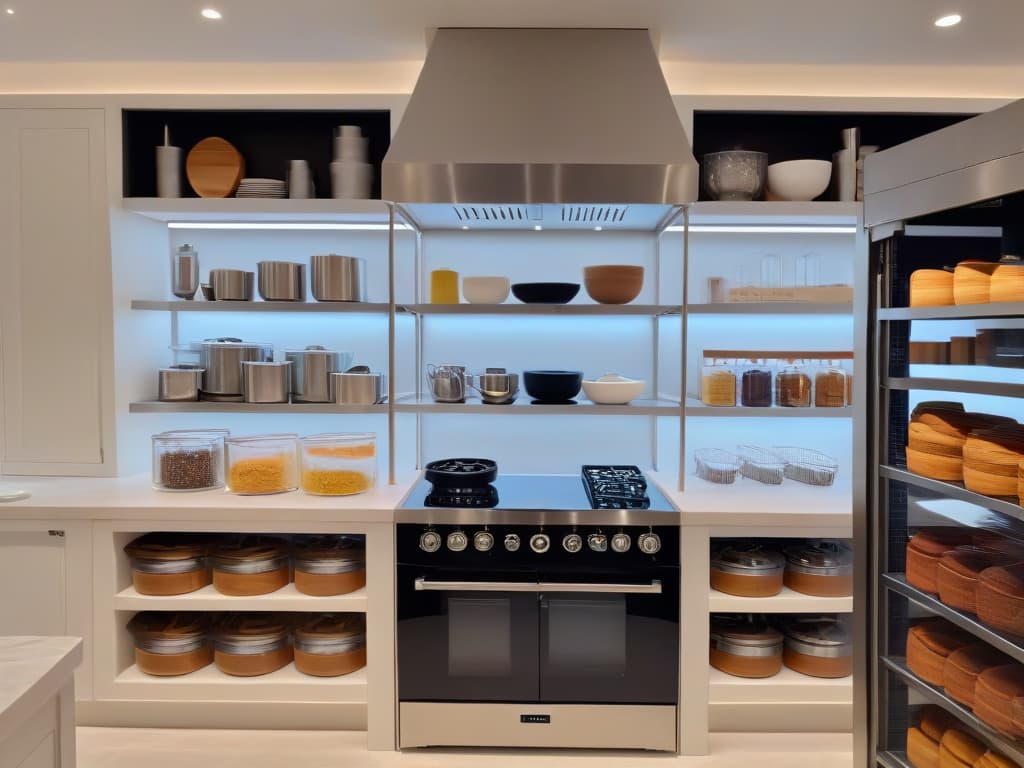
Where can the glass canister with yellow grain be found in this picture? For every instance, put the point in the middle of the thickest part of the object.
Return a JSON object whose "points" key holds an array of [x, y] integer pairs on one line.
{"points": [[339, 464]]}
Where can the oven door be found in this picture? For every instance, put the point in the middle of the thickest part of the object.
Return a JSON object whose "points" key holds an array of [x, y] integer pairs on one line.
{"points": [[610, 640], [467, 636]]}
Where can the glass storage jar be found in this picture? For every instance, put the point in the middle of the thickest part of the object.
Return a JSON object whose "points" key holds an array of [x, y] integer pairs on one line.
{"points": [[830, 386], [170, 643], [250, 565], [339, 464], [168, 564], [251, 644], [718, 382], [330, 565], [756, 383], [331, 644], [745, 646], [793, 386], [262, 464], [191, 461]]}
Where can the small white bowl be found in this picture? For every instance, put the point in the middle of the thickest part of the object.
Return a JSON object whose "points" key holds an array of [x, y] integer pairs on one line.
{"points": [[612, 389], [801, 180], [485, 290]]}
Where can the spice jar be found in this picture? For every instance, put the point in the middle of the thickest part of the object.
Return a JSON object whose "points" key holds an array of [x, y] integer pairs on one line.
{"points": [[823, 569], [331, 644], [718, 382], [251, 644], [250, 565], [169, 644], [192, 461], [167, 564], [262, 464], [819, 647], [756, 384], [745, 646], [830, 389], [330, 565], [339, 464], [747, 569], [792, 385]]}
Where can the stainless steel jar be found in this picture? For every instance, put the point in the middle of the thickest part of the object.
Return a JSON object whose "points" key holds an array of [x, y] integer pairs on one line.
{"points": [[266, 382], [179, 383], [338, 278], [231, 284], [358, 388], [311, 372], [222, 359], [281, 280]]}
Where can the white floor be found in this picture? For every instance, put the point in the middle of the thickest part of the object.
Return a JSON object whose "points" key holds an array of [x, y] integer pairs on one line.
{"points": [[169, 748]]}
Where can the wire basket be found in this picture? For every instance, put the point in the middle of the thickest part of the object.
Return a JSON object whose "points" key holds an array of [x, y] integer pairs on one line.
{"points": [[807, 466], [761, 464], [717, 466]]}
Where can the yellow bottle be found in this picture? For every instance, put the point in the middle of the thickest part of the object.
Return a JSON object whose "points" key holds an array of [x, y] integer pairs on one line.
{"points": [[444, 286]]}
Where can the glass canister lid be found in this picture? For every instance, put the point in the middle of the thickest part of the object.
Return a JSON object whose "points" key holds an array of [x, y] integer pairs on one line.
{"points": [[330, 628], [748, 631], [747, 558], [166, 546], [168, 631], [822, 558], [337, 554], [252, 629], [818, 636], [249, 549]]}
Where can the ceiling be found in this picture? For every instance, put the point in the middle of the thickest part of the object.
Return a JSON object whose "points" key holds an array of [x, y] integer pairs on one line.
{"points": [[804, 32]]}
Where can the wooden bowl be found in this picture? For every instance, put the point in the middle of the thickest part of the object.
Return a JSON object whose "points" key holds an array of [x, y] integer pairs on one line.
{"points": [[1007, 283], [929, 352], [972, 281], [613, 283], [949, 468], [1020, 482], [931, 288], [989, 484], [924, 439]]}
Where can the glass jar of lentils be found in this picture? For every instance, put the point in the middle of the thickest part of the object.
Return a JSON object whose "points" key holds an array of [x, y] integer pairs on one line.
{"points": [[793, 385], [192, 462]]}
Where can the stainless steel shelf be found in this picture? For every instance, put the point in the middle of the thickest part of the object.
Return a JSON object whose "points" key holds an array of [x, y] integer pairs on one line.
{"points": [[961, 312], [206, 406], [240, 210], [1013, 750], [775, 213], [523, 406], [769, 308], [893, 760], [997, 388], [697, 409], [953, 491], [333, 307], [1014, 647], [647, 310]]}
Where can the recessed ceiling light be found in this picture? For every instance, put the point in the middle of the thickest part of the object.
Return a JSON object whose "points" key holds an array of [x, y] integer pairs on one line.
{"points": [[537, 227], [10, 11], [211, 13], [598, 229], [465, 227], [948, 21]]}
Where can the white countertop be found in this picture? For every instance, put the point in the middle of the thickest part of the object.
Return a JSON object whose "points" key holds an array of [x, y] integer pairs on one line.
{"points": [[32, 670]]}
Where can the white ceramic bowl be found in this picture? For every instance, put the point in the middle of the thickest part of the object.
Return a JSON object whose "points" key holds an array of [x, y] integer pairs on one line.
{"points": [[613, 389], [799, 179], [485, 290]]}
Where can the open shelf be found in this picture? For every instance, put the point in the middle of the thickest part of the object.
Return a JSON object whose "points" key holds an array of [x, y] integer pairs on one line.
{"points": [[785, 687], [1013, 750], [210, 684], [209, 406], [960, 312], [769, 308], [253, 210], [998, 388], [697, 409], [647, 310], [287, 598], [333, 307], [953, 491], [524, 406], [775, 213], [786, 601], [1009, 645]]}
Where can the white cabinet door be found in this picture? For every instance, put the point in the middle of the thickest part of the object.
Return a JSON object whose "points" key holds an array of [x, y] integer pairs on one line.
{"points": [[55, 294], [33, 584]]}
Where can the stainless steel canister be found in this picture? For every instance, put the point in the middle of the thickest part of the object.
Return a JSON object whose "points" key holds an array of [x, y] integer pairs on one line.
{"points": [[222, 359], [266, 382], [281, 280], [179, 383], [311, 372], [231, 284], [338, 278], [358, 388]]}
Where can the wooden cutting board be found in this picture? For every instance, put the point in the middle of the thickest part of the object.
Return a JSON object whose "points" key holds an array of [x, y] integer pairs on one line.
{"points": [[214, 168]]}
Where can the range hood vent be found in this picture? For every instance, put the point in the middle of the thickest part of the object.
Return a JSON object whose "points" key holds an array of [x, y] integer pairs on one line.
{"points": [[507, 128]]}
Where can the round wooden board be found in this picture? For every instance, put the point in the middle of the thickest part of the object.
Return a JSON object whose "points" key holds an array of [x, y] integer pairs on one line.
{"points": [[214, 168]]}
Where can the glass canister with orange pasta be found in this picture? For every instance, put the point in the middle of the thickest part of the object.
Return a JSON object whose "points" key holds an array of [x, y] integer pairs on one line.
{"points": [[262, 464], [339, 464]]}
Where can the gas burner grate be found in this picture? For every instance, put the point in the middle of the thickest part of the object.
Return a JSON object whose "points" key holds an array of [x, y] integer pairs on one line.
{"points": [[615, 487]]}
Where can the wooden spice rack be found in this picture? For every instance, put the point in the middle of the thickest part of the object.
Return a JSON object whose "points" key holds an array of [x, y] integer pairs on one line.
{"points": [[749, 354]]}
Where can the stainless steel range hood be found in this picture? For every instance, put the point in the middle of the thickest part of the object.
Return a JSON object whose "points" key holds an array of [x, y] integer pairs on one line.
{"points": [[561, 128]]}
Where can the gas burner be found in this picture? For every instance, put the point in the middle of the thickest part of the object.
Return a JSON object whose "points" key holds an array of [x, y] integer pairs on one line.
{"points": [[486, 496], [461, 474], [615, 487]]}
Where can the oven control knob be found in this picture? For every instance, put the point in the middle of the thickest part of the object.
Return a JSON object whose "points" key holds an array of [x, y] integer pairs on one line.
{"points": [[430, 541], [483, 541], [598, 542], [512, 542], [621, 542], [572, 542], [457, 541], [540, 543], [649, 543]]}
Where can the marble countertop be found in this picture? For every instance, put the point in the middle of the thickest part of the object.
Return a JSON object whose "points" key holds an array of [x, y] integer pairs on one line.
{"points": [[32, 670]]}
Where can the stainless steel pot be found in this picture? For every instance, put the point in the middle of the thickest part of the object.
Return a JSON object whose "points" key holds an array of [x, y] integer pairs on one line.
{"points": [[179, 383], [231, 284], [496, 387], [358, 388], [311, 372], [338, 278], [266, 382], [222, 359], [281, 280]]}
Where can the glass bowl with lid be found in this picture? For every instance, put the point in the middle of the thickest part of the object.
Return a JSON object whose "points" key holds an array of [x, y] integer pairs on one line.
{"points": [[252, 644], [819, 646], [262, 464], [747, 569], [338, 464], [745, 646], [823, 569], [168, 644], [331, 644], [329, 565], [250, 565], [168, 563]]}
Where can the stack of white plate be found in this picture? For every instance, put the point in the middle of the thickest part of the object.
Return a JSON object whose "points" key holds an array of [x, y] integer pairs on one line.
{"points": [[262, 188], [351, 174]]}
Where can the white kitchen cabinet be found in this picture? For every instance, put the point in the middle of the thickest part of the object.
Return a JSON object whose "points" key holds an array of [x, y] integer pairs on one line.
{"points": [[56, 374]]}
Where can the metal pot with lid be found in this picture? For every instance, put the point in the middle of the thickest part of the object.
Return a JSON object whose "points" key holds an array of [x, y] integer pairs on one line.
{"points": [[461, 473], [222, 360], [747, 569], [311, 372], [823, 569]]}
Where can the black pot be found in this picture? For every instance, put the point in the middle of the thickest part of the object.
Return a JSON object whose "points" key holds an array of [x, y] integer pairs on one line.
{"points": [[461, 473], [545, 293], [552, 386]]}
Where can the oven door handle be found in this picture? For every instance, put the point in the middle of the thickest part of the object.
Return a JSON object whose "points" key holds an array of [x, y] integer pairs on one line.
{"points": [[422, 585]]}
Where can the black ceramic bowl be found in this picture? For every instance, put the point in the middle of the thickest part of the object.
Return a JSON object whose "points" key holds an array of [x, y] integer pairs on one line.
{"points": [[552, 386], [545, 293]]}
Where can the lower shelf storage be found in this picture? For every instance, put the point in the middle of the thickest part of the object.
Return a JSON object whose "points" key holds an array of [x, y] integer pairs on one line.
{"points": [[788, 701]]}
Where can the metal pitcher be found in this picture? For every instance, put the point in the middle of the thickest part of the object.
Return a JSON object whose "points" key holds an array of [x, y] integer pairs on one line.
{"points": [[447, 383]]}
